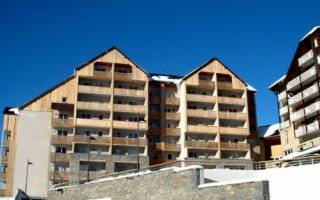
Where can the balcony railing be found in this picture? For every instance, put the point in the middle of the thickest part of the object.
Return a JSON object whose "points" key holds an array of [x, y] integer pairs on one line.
{"points": [[234, 130], [313, 127], [172, 131], [172, 115], [172, 101], [63, 123], [59, 157], [201, 113], [123, 76], [93, 106], [312, 108], [168, 147], [97, 140], [224, 85], [232, 100], [201, 144], [4, 159], [129, 92], [104, 123], [284, 125], [202, 129], [295, 99], [3, 176], [232, 115], [282, 95], [293, 84], [59, 176], [309, 75], [122, 141], [94, 90], [283, 110], [102, 74], [201, 98], [301, 131], [306, 59], [234, 146], [311, 91], [296, 116], [130, 125], [61, 140], [207, 83], [129, 108]]}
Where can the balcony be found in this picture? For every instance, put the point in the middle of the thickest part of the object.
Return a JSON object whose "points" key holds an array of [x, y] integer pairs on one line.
{"points": [[283, 110], [293, 84], [172, 101], [201, 144], [232, 115], [130, 125], [98, 140], [312, 109], [201, 98], [234, 146], [104, 123], [224, 85], [94, 90], [282, 95], [6, 142], [300, 131], [202, 129], [232, 100], [61, 140], [122, 141], [170, 147], [172, 116], [59, 157], [201, 113], [234, 130], [59, 176], [295, 100], [207, 84], [62, 106], [309, 75], [306, 59], [297, 116], [93, 106], [311, 92], [172, 132], [313, 127], [284, 125], [129, 92], [63, 123], [123, 76], [3, 176], [129, 108], [104, 75]]}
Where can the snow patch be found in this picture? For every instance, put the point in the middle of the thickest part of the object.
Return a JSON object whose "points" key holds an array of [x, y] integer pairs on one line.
{"points": [[15, 110], [310, 32], [266, 131], [277, 81], [301, 153], [247, 180], [251, 88], [168, 79], [180, 169]]}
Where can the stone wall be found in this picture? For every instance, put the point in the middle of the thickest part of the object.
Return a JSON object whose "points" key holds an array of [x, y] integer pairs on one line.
{"points": [[169, 184]]}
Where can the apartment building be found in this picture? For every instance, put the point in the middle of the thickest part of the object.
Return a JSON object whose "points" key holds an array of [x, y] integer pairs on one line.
{"points": [[111, 110], [298, 98]]}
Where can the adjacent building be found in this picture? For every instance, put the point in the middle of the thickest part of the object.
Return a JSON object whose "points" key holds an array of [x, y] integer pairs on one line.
{"points": [[111, 110], [298, 98]]}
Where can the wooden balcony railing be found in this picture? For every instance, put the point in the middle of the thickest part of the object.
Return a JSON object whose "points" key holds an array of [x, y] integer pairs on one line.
{"points": [[202, 129], [122, 141], [107, 75], [224, 85], [202, 144], [172, 115], [201, 98], [63, 123], [61, 140], [232, 100], [94, 90], [234, 130], [3, 176], [234, 146], [4, 159], [201, 113], [172, 131], [98, 140], [168, 147], [59, 157], [59, 176], [93, 106], [130, 125], [129, 108], [172, 101], [129, 92], [232, 115], [207, 84], [104, 123]]}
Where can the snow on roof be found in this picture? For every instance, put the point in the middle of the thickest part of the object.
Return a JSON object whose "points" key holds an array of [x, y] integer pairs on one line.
{"points": [[268, 130], [15, 110], [238, 181], [166, 78], [251, 88], [301, 153], [277, 81], [310, 32]]}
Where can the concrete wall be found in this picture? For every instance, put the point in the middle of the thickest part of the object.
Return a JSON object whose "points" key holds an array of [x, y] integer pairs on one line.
{"points": [[171, 183], [32, 142]]}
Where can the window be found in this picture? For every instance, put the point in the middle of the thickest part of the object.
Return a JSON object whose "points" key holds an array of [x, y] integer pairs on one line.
{"points": [[100, 117], [169, 156], [87, 133], [62, 132], [61, 149], [100, 133], [64, 99]]}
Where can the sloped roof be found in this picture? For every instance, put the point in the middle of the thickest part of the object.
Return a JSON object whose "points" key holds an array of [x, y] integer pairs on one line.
{"points": [[268, 130]]}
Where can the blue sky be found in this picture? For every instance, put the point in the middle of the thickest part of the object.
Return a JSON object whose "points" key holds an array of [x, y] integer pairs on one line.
{"points": [[41, 42]]}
